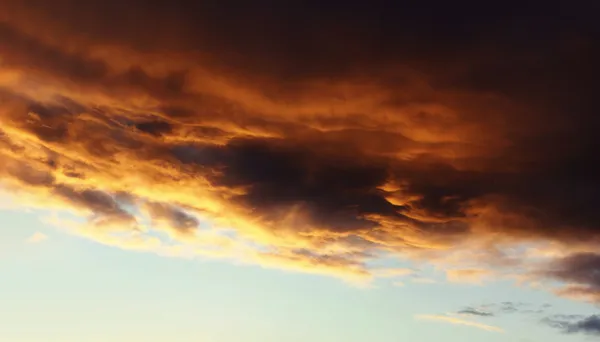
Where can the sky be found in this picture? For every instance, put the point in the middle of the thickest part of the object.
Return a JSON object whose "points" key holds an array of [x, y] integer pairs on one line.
{"points": [[299, 171]]}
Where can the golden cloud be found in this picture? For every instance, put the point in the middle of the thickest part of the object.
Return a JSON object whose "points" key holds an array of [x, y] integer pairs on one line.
{"points": [[172, 134]]}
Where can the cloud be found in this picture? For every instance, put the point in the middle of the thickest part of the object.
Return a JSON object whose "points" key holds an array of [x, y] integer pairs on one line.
{"points": [[459, 321], [580, 272], [421, 280], [511, 307], [475, 276], [37, 237], [475, 312], [375, 133], [177, 221], [575, 324], [507, 307]]}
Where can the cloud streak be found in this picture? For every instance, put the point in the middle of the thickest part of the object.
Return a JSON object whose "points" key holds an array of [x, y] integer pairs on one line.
{"points": [[475, 312], [460, 321]]}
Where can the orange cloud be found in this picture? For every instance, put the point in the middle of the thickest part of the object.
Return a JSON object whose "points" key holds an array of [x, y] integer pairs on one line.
{"points": [[199, 140], [476, 276]]}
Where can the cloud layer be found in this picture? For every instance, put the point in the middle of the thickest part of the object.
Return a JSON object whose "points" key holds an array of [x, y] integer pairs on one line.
{"points": [[306, 135]]}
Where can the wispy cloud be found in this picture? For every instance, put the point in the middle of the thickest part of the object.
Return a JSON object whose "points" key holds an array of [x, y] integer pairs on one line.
{"points": [[460, 321], [506, 307], [37, 237], [475, 312]]}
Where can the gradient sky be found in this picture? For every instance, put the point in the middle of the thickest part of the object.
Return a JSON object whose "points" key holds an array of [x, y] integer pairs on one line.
{"points": [[63, 288], [298, 171]]}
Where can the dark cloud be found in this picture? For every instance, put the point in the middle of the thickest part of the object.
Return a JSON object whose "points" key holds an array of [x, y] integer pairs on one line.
{"points": [[31, 176], [498, 309], [365, 125], [308, 38], [582, 272], [575, 324], [102, 206], [475, 312], [282, 174], [579, 268], [156, 128], [334, 192], [21, 49], [175, 218]]}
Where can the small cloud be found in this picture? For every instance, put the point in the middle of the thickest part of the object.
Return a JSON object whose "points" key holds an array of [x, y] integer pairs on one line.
{"points": [[37, 237], [510, 307], [475, 312], [473, 276], [398, 283], [459, 321]]}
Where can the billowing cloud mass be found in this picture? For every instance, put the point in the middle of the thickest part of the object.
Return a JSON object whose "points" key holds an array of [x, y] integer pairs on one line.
{"points": [[310, 135]]}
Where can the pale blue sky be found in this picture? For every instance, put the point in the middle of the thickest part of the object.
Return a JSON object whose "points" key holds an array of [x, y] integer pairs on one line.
{"points": [[67, 289]]}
